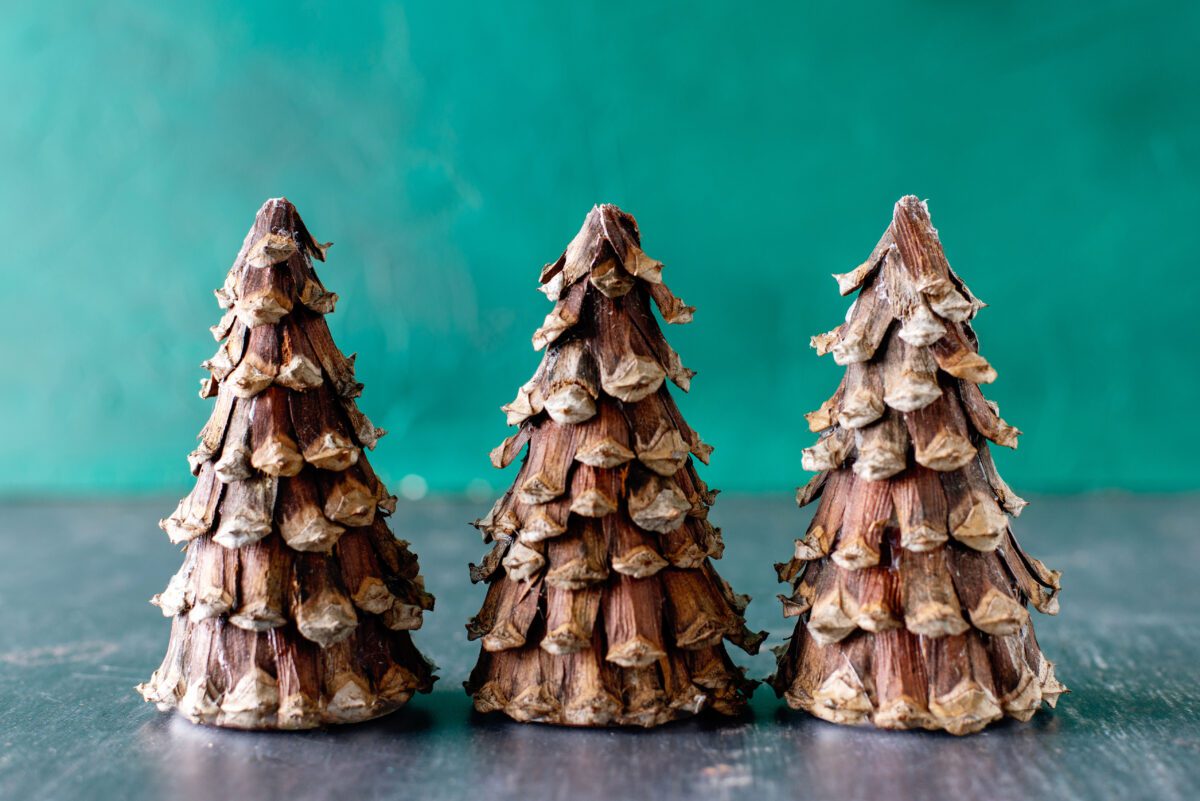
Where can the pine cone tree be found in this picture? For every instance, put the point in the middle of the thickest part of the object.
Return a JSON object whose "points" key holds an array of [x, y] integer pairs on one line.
{"points": [[910, 586], [294, 603], [603, 606]]}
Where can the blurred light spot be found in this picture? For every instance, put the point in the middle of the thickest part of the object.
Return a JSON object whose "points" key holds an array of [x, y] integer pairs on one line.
{"points": [[479, 489], [413, 487]]}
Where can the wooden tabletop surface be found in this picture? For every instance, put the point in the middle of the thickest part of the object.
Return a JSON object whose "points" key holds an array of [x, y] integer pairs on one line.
{"points": [[77, 635]]}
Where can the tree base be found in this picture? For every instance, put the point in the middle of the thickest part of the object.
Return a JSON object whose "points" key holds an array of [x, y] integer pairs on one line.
{"points": [[580, 689], [216, 674], [898, 680]]}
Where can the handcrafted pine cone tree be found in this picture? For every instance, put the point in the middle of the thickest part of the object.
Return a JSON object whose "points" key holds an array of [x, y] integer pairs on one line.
{"points": [[294, 603], [910, 586], [603, 606]]}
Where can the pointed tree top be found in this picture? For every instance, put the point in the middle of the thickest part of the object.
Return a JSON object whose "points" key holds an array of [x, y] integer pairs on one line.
{"points": [[606, 255], [913, 364], [277, 233], [607, 250]]}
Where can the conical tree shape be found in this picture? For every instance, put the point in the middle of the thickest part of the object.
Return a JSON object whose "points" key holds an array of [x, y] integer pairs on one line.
{"points": [[603, 606], [910, 587], [294, 603]]}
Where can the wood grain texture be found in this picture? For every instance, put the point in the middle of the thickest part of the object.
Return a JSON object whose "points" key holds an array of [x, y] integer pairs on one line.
{"points": [[1127, 731]]}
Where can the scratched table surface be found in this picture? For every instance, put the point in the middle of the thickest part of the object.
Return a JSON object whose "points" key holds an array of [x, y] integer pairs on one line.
{"points": [[77, 635]]}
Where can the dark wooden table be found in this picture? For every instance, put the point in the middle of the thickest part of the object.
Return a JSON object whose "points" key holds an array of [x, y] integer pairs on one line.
{"points": [[77, 635]]}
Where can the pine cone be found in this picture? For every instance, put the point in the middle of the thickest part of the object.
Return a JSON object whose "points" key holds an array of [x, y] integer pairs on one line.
{"points": [[910, 587], [294, 603], [603, 607]]}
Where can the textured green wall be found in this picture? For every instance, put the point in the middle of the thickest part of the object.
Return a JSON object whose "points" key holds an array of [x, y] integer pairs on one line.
{"points": [[449, 149]]}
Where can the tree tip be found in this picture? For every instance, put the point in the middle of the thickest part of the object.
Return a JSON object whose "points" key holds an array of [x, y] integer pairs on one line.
{"points": [[912, 205], [277, 204], [610, 211], [279, 215]]}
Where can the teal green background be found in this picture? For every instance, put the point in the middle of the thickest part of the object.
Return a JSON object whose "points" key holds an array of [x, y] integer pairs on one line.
{"points": [[451, 148]]}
